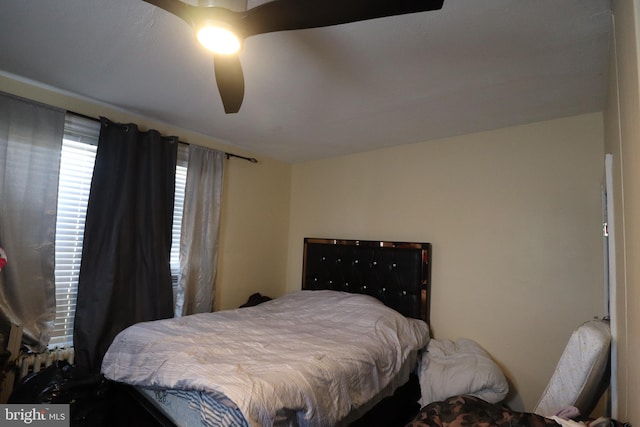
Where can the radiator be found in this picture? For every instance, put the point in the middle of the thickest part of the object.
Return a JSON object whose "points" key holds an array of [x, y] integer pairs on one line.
{"points": [[34, 362]]}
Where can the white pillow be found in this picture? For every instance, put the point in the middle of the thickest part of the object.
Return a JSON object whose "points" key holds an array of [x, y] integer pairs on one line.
{"points": [[449, 368]]}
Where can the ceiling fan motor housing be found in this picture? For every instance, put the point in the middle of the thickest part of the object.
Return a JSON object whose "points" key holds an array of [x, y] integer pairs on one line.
{"points": [[234, 5]]}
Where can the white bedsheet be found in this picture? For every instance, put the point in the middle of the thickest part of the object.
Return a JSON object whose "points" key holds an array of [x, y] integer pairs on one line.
{"points": [[321, 353]]}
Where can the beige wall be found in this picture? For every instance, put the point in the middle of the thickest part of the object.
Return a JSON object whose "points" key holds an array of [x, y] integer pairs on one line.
{"points": [[255, 227], [622, 126], [255, 216], [514, 216]]}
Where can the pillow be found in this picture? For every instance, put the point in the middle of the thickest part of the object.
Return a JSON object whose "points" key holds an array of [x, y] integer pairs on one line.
{"points": [[449, 368]]}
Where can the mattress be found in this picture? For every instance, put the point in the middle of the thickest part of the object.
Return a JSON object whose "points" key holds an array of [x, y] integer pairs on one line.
{"points": [[578, 378], [197, 409]]}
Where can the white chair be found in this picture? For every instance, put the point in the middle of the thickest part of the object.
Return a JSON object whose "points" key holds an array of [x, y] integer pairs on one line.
{"points": [[582, 373]]}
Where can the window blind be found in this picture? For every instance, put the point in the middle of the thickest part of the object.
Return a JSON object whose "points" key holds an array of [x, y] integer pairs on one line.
{"points": [[178, 209], [78, 155]]}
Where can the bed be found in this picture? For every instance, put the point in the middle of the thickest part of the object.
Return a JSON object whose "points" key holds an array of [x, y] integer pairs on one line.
{"points": [[321, 356]]}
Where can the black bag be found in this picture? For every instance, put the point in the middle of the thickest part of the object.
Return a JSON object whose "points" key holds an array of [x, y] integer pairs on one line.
{"points": [[61, 383], [255, 299]]}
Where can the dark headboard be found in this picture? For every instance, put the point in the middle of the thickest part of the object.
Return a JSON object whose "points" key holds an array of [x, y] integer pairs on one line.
{"points": [[397, 273]]}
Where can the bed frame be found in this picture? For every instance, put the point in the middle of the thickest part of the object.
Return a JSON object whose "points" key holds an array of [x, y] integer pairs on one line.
{"points": [[397, 273]]}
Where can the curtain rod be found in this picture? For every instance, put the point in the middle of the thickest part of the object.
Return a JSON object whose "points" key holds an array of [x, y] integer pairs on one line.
{"points": [[227, 154], [249, 159]]}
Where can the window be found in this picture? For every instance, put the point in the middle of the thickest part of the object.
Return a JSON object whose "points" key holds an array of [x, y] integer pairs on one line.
{"points": [[76, 169]]}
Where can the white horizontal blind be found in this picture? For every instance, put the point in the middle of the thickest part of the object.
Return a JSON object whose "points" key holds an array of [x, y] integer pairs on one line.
{"points": [[178, 208], [76, 169], [79, 148]]}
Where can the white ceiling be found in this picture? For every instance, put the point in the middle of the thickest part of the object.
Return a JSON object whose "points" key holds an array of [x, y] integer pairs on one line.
{"points": [[472, 66]]}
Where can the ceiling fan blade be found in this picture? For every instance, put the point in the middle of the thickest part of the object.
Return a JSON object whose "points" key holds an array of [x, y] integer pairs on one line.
{"points": [[282, 15], [230, 81], [184, 11]]}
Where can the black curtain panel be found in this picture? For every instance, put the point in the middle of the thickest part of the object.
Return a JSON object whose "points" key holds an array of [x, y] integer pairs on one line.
{"points": [[124, 275]]}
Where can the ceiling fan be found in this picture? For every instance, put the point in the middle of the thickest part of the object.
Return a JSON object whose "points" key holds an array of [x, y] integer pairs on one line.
{"points": [[213, 23]]}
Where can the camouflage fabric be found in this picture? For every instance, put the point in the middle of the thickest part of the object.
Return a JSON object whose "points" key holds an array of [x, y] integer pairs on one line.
{"points": [[470, 411]]}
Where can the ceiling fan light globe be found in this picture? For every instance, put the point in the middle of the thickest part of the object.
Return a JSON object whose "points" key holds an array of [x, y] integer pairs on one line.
{"points": [[218, 40]]}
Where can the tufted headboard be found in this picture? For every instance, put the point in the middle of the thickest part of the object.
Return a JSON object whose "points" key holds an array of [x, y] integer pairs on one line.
{"points": [[397, 273]]}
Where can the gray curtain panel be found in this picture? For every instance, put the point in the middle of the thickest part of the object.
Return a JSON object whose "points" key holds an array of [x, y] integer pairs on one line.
{"points": [[30, 142], [200, 231]]}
